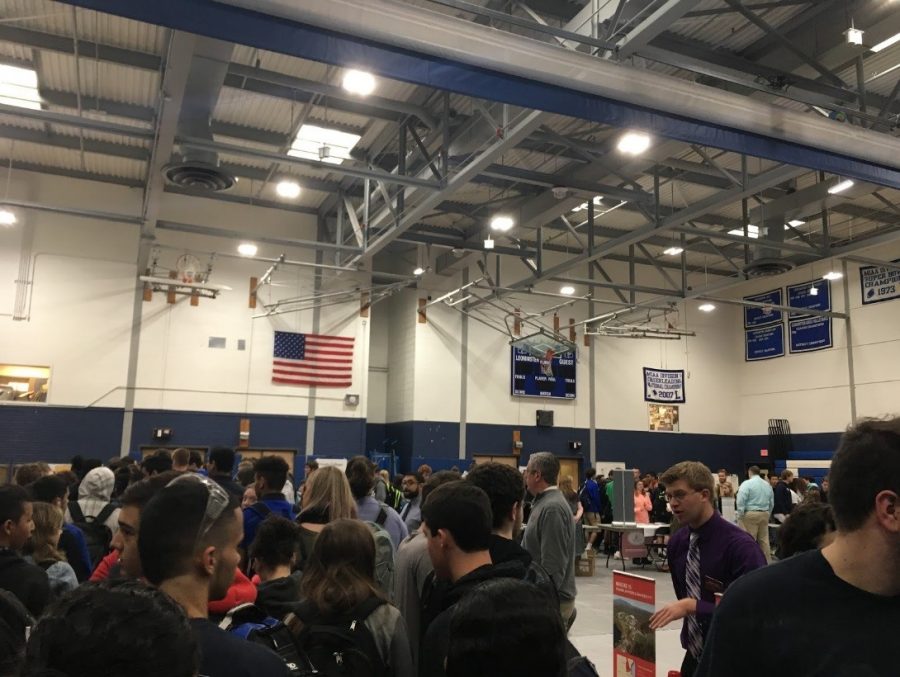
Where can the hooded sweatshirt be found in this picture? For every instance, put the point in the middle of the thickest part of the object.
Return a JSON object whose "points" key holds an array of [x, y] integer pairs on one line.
{"points": [[29, 583], [94, 493], [435, 642]]}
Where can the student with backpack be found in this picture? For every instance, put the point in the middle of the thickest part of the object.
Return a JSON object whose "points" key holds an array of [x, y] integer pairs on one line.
{"points": [[94, 513], [270, 475], [345, 626], [361, 476]]}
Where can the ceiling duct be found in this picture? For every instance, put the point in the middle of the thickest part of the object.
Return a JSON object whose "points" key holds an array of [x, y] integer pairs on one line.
{"points": [[194, 168], [767, 259]]}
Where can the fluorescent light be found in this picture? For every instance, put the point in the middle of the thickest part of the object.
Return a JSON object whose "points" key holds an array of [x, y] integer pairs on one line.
{"points": [[854, 36], [598, 202], [247, 249], [311, 140], [813, 290], [19, 87], [634, 143], [673, 251], [884, 44], [488, 243], [288, 189], [796, 222], [840, 187], [7, 218], [833, 275], [567, 290], [359, 82], [501, 223], [707, 307], [752, 231], [419, 271]]}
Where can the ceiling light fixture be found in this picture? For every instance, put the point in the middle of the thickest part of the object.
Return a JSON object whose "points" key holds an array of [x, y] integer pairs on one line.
{"points": [[7, 218], [567, 290], [707, 307], [634, 143], [840, 187], [854, 36], [884, 44], [501, 224], [360, 83], [796, 222], [247, 249], [813, 290], [288, 189], [419, 271], [833, 275], [488, 243], [673, 251]]}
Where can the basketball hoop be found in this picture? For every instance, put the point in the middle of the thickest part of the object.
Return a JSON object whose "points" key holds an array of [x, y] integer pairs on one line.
{"points": [[187, 266]]}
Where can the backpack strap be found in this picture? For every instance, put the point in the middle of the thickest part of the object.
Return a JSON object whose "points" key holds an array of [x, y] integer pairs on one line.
{"points": [[75, 512], [382, 516], [104, 514], [261, 509]]}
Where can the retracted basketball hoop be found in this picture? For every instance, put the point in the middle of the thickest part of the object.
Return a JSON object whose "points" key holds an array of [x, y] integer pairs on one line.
{"points": [[544, 344]]}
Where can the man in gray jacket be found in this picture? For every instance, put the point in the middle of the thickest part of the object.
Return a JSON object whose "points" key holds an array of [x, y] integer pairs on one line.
{"points": [[550, 534]]}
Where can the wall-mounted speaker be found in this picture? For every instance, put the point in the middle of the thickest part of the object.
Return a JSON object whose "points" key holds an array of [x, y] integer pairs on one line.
{"points": [[544, 418]]}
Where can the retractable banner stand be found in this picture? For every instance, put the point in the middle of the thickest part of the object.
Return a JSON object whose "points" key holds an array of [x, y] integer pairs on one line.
{"points": [[634, 643], [879, 283]]}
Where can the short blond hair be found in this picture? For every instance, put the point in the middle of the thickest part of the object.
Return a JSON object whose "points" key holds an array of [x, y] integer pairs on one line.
{"points": [[328, 490], [696, 474]]}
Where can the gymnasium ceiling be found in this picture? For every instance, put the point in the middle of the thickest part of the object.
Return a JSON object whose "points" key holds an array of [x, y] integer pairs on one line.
{"points": [[120, 100]]}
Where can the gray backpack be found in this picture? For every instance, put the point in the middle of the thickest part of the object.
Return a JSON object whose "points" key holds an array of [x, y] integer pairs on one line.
{"points": [[384, 554]]}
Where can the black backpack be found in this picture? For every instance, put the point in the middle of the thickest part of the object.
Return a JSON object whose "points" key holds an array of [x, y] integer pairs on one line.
{"points": [[341, 646], [97, 536], [249, 622]]}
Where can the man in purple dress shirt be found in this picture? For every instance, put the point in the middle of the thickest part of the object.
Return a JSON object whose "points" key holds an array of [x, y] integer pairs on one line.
{"points": [[705, 558]]}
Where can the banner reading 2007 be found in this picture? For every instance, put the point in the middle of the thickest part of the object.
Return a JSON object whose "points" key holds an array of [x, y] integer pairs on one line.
{"points": [[664, 385]]}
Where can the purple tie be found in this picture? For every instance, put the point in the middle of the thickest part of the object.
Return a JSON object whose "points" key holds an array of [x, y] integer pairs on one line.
{"points": [[692, 579]]}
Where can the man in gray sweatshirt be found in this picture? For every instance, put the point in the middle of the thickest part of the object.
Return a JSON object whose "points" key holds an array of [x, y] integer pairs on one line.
{"points": [[550, 534]]}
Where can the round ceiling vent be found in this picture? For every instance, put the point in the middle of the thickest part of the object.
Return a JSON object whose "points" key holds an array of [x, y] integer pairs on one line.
{"points": [[767, 267], [198, 176]]}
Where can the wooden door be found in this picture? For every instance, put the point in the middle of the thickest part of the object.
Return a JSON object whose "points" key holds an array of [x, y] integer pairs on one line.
{"points": [[569, 467]]}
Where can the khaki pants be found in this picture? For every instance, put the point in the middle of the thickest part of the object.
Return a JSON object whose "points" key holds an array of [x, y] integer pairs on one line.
{"points": [[756, 523]]}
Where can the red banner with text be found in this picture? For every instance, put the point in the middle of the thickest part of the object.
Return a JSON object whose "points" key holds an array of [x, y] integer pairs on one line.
{"points": [[634, 643]]}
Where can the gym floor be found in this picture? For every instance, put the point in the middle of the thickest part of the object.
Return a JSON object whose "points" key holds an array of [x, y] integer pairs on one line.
{"points": [[592, 632]]}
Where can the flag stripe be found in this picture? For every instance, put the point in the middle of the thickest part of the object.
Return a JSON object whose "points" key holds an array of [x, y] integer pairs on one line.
{"points": [[313, 367], [296, 382], [289, 363], [325, 337]]}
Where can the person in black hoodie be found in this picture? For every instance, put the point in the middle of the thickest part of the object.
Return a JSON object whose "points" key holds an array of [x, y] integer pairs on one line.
{"points": [[783, 503], [456, 521], [26, 581], [273, 553], [505, 487]]}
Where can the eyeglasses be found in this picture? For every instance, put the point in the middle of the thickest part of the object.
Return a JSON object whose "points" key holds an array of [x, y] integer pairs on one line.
{"points": [[216, 502], [678, 496]]}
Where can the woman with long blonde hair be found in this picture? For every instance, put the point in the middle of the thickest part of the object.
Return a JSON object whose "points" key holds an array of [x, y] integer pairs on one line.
{"points": [[43, 548], [326, 497]]}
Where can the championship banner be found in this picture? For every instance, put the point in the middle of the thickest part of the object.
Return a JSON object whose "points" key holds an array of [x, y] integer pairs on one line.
{"points": [[764, 343], [755, 316], [879, 283], [664, 385], [634, 643]]}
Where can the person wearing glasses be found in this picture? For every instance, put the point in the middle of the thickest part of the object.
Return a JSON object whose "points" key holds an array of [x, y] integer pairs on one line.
{"points": [[704, 559], [188, 543], [850, 589]]}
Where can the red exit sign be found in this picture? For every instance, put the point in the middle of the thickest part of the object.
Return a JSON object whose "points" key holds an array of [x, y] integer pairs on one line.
{"points": [[763, 452]]}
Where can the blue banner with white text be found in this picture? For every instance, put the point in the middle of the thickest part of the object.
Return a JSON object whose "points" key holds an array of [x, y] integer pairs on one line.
{"points": [[764, 343], [756, 316]]}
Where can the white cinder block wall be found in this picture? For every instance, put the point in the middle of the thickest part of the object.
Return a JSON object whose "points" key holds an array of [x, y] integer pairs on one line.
{"points": [[81, 316]]}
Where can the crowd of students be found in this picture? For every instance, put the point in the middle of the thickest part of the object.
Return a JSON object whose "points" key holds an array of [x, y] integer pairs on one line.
{"points": [[175, 566]]}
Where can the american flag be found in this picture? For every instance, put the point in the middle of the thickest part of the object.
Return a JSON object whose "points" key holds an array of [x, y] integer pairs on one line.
{"points": [[313, 360]]}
